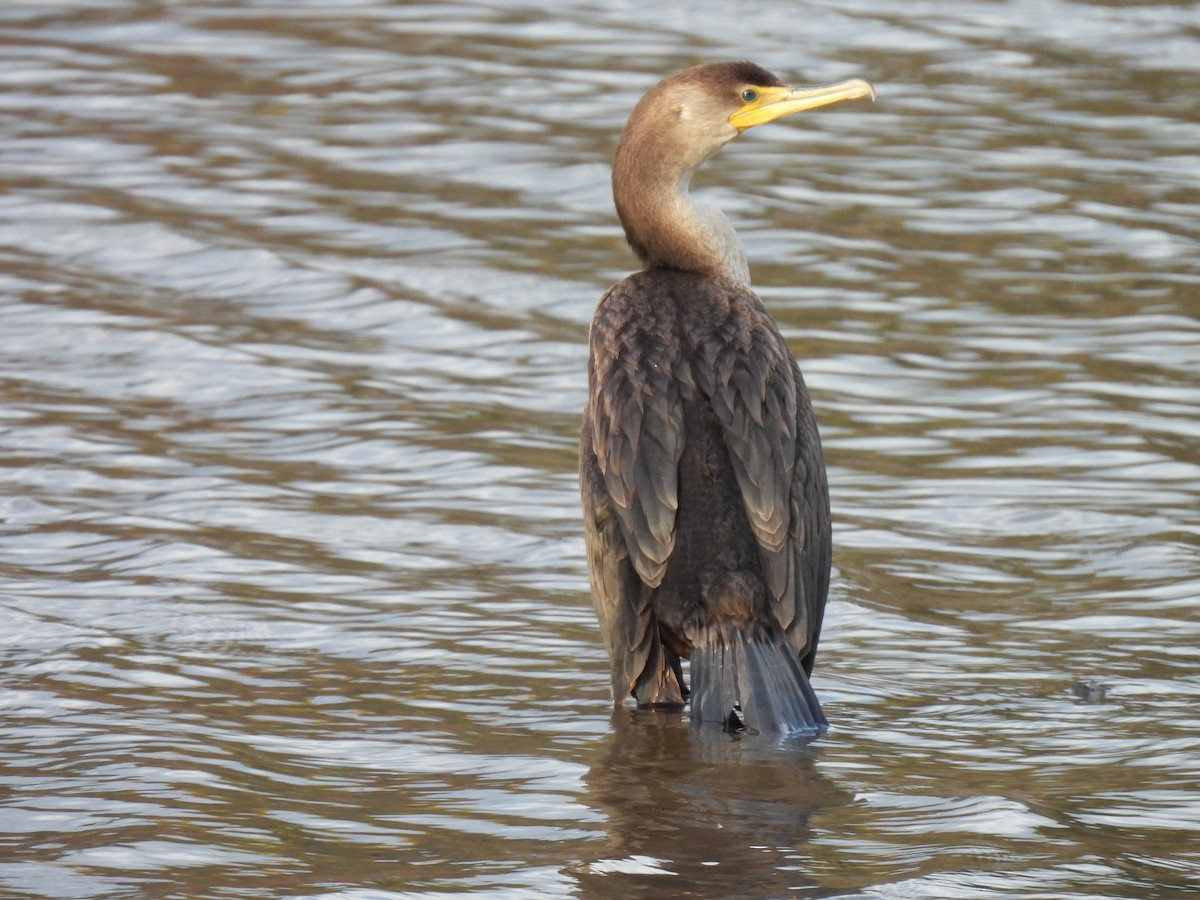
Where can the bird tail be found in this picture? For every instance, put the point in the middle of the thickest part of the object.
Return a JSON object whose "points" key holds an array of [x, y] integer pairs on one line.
{"points": [[753, 680]]}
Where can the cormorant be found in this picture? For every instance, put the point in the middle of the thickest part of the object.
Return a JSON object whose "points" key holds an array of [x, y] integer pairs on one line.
{"points": [[706, 505]]}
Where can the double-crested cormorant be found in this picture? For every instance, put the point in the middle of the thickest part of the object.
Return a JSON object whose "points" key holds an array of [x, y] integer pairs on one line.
{"points": [[706, 506]]}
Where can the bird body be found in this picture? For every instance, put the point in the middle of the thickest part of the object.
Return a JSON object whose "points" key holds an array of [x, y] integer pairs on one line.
{"points": [[706, 505]]}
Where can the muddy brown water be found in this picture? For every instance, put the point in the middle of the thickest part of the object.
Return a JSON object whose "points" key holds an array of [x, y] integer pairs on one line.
{"points": [[293, 308]]}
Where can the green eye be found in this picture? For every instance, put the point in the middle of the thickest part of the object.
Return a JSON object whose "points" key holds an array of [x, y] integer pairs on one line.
{"points": [[749, 95]]}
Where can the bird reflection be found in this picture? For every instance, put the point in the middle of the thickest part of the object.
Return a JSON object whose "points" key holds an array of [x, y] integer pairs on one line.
{"points": [[697, 809]]}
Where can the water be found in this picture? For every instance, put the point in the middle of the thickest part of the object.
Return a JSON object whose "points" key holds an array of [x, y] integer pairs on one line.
{"points": [[293, 308]]}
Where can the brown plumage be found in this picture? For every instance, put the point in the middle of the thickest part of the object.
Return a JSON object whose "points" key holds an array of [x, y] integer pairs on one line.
{"points": [[705, 500]]}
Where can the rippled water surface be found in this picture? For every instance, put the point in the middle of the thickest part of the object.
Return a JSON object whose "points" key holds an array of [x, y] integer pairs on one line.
{"points": [[293, 309]]}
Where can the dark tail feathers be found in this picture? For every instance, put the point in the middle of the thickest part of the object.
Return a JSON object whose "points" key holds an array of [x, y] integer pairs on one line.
{"points": [[757, 678]]}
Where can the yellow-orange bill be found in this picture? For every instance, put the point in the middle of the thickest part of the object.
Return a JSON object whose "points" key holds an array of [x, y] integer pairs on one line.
{"points": [[773, 102]]}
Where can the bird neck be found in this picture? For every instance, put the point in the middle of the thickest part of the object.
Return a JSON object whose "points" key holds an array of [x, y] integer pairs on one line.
{"points": [[665, 227]]}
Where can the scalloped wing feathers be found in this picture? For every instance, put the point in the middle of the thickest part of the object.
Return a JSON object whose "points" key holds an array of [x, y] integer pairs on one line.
{"points": [[699, 337]]}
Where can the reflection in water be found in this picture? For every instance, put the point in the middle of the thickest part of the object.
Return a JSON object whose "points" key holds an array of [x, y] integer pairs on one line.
{"points": [[676, 798]]}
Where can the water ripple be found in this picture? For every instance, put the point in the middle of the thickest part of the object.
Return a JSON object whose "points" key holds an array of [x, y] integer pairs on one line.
{"points": [[295, 303]]}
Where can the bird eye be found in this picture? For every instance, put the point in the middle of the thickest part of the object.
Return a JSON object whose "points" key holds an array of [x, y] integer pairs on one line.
{"points": [[749, 95]]}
